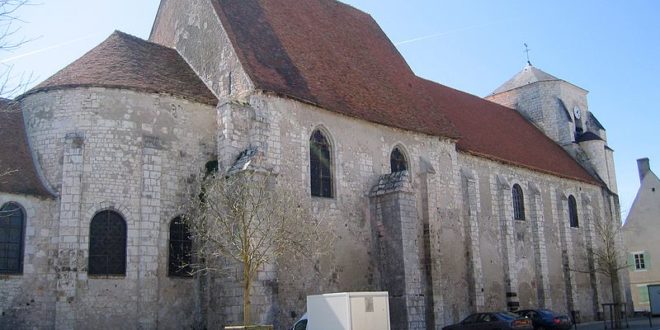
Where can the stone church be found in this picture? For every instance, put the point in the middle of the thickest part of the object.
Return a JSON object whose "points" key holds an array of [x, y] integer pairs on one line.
{"points": [[450, 202]]}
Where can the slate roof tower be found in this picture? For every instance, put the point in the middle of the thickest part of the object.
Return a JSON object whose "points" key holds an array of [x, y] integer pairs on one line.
{"points": [[560, 109]]}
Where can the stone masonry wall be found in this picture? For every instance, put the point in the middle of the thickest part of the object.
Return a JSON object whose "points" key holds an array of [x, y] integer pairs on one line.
{"points": [[360, 154], [544, 252], [105, 149], [193, 28], [27, 301], [130, 152]]}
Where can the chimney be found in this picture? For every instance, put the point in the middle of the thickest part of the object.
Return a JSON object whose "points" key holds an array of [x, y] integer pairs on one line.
{"points": [[643, 167]]}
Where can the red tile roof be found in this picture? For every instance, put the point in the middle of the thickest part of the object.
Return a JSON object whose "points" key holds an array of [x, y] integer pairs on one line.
{"points": [[20, 175], [328, 54], [496, 132], [128, 62], [334, 56]]}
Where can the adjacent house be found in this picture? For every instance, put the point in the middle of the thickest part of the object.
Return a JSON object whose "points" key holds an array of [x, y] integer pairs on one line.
{"points": [[641, 234]]}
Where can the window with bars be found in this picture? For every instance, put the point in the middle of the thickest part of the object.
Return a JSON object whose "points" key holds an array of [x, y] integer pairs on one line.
{"points": [[12, 228], [572, 212], [107, 244], [518, 202], [320, 165], [180, 257], [398, 162]]}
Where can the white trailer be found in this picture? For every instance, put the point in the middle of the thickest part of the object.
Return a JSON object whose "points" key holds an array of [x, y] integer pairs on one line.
{"points": [[348, 311]]}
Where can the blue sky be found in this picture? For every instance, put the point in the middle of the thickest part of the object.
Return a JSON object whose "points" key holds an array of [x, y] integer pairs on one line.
{"points": [[610, 48]]}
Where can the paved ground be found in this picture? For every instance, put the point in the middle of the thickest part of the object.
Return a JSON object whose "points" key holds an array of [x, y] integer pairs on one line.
{"points": [[635, 323]]}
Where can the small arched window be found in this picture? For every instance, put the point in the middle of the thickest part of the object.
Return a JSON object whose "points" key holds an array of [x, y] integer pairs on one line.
{"points": [[572, 212], [12, 228], [107, 244], [180, 257], [320, 165], [518, 202], [398, 162]]}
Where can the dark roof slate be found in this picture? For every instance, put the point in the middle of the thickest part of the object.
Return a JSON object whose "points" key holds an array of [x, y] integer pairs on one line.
{"points": [[391, 182], [588, 136], [593, 120], [243, 160], [125, 61], [16, 162]]}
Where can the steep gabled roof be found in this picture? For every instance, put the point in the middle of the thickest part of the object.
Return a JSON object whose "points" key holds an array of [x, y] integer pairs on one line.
{"points": [[18, 174], [334, 56], [331, 55], [125, 61]]}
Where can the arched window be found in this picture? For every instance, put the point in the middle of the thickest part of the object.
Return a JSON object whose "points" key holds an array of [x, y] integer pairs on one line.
{"points": [[180, 258], [320, 165], [12, 224], [398, 161], [518, 202], [107, 244], [572, 212]]}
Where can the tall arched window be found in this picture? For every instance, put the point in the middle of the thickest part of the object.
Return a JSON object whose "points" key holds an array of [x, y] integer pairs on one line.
{"points": [[107, 244], [320, 165], [12, 227], [572, 212], [518, 202], [398, 162], [180, 257]]}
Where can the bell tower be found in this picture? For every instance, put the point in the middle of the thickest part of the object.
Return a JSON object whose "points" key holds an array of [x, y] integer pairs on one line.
{"points": [[560, 109]]}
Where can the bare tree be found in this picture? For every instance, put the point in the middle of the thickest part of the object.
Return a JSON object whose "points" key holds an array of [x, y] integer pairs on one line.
{"points": [[11, 84], [251, 219], [609, 259], [10, 41]]}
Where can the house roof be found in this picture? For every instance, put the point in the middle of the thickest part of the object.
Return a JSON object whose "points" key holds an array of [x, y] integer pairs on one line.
{"points": [[18, 174], [125, 61], [331, 55], [529, 74], [334, 56]]}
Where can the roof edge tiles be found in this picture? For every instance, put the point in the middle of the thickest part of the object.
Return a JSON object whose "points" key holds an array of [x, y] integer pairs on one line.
{"points": [[590, 180], [124, 61]]}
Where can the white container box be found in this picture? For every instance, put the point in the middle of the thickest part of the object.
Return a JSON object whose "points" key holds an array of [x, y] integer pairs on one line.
{"points": [[348, 311]]}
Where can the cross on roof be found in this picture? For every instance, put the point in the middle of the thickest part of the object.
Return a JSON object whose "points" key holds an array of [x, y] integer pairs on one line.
{"points": [[527, 52]]}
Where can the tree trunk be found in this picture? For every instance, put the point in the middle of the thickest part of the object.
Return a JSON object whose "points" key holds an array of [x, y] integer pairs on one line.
{"points": [[247, 304], [616, 297]]}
